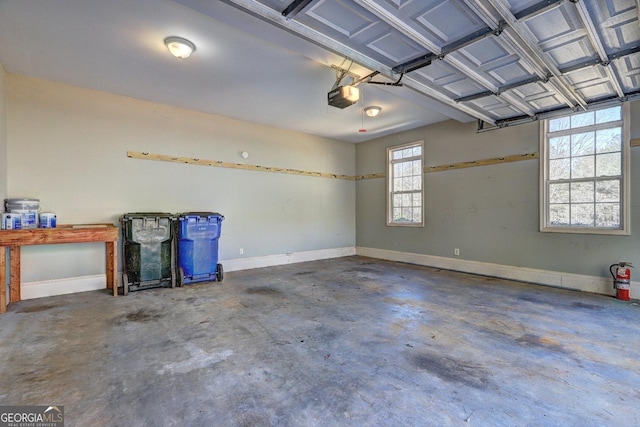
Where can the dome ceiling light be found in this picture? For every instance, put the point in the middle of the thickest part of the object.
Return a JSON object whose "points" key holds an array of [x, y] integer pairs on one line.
{"points": [[179, 47], [372, 111]]}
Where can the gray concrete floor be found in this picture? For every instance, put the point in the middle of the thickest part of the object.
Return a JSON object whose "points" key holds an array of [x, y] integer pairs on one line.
{"points": [[351, 341]]}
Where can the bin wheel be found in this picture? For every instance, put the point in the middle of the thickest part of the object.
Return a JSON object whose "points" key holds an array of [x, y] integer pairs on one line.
{"points": [[180, 277], [219, 273], [125, 284]]}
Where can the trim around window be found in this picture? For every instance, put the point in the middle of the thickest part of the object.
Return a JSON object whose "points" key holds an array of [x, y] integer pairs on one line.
{"points": [[405, 185], [576, 175]]}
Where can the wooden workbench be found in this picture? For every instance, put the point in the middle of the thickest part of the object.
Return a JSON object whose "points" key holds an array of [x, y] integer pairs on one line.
{"points": [[75, 233]]}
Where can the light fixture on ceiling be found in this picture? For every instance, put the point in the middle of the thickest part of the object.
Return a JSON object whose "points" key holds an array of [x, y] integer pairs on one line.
{"points": [[179, 47], [372, 111]]}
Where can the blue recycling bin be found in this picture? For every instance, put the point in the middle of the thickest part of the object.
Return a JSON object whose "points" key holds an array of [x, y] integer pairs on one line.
{"points": [[198, 235]]}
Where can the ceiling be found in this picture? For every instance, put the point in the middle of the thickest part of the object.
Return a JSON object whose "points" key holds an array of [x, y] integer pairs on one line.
{"points": [[273, 62]]}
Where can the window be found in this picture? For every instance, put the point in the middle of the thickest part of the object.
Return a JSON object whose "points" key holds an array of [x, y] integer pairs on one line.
{"points": [[584, 160], [404, 184]]}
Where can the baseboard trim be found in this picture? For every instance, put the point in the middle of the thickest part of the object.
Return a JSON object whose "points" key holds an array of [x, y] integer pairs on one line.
{"points": [[594, 284], [281, 259], [48, 288]]}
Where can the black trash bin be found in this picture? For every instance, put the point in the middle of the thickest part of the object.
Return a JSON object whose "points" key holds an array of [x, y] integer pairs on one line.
{"points": [[148, 251]]}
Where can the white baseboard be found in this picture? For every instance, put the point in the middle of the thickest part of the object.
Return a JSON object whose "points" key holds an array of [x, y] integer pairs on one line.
{"points": [[598, 285], [290, 258], [47, 288]]}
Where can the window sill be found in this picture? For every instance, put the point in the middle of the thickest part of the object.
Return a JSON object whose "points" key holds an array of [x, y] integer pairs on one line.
{"points": [[586, 230], [404, 224]]}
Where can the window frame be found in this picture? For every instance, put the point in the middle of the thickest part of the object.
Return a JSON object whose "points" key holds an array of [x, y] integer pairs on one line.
{"points": [[390, 163], [625, 214]]}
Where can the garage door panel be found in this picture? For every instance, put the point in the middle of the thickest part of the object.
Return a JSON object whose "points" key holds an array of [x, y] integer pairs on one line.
{"points": [[617, 22], [439, 73], [628, 69], [498, 63], [496, 106], [554, 23], [592, 83], [444, 22], [395, 48], [538, 96], [463, 87], [359, 29], [560, 33], [504, 58]]}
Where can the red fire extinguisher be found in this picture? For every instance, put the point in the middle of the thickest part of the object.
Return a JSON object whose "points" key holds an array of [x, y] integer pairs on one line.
{"points": [[621, 274]]}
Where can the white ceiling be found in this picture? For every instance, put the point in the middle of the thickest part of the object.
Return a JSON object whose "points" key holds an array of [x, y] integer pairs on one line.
{"points": [[496, 60]]}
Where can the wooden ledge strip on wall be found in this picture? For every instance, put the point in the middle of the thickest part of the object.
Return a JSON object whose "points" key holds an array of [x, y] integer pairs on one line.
{"points": [[440, 168], [462, 165], [370, 176], [484, 162], [221, 164]]}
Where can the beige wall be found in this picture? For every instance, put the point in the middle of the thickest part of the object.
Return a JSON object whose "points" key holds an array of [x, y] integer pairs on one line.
{"points": [[490, 213], [3, 134], [67, 146], [3, 144]]}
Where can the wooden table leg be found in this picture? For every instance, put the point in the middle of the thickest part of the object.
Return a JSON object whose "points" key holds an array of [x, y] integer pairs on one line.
{"points": [[14, 273], [3, 280], [112, 266]]}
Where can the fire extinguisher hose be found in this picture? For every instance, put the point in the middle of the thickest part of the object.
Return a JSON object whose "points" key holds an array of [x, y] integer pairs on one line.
{"points": [[613, 275]]}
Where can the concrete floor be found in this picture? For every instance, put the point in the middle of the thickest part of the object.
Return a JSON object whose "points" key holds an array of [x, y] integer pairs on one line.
{"points": [[351, 341]]}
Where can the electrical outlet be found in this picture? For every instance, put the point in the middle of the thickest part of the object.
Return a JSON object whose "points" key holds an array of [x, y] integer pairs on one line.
{"points": [[241, 251], [456, 252]]}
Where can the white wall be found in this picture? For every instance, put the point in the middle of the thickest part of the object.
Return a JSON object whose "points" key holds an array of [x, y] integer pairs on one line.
{"points": [[489, 212], [67, 146]]}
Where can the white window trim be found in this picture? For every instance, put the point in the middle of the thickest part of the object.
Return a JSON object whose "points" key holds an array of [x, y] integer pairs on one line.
{"points": [[391, 223], [625, 210]]}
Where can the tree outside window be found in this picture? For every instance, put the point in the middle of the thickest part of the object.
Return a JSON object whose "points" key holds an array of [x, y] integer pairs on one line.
{"points": [[405, 185], [584, 172]]}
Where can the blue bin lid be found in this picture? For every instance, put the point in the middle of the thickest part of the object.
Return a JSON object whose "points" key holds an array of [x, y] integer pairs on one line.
{"points": [[207, 215]]}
